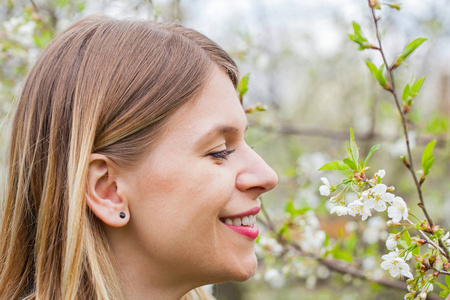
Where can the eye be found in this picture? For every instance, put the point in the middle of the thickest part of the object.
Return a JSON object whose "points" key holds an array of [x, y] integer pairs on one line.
{"points": [[223, 154]]}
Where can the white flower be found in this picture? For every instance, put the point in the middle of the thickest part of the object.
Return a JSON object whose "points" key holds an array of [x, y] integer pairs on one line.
{"points": [[395, 265], [391, 242], [339, 210], [446, 239], [274, 278], [398, 210], [378, 198], [381, 173], [325, 188], [358, 208]]}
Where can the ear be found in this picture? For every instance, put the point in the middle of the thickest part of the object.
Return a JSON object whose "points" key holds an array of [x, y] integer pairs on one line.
{"points": [[103, 197]]}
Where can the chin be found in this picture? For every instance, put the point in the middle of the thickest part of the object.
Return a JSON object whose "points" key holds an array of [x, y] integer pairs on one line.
{"points": [[245, 269]]}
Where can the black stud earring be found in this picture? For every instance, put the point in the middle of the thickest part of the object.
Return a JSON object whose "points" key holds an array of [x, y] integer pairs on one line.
{"points": [[122, 215]]}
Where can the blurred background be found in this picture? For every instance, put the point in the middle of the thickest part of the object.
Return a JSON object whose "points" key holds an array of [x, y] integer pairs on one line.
{"points": [[315, 85]]}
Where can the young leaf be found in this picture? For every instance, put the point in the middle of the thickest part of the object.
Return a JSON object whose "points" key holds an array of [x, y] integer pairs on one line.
{"points": [[350, 163], [406, 93], [411, 47], [336, 165], [358, 37], [242, 87], [354, 151], [407, 237], [371, 151], [378, 73], [447, 280], [428, 157], [416, 86]]}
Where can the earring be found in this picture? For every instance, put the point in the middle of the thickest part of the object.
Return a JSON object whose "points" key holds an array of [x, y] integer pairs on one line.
{"points": [[122, 215]]}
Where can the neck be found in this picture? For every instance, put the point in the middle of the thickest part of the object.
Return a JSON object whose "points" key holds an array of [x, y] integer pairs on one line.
{"points": [[144, 278]]}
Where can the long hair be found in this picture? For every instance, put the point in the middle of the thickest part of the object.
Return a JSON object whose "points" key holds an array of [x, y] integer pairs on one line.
{"points": [[102, 86]]}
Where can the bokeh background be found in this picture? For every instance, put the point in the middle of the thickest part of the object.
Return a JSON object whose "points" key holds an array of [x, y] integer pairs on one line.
{"points": [[315, 85]]}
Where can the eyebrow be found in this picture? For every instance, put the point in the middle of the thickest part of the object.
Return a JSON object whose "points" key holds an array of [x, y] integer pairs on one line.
{"points": [[222, 128]]}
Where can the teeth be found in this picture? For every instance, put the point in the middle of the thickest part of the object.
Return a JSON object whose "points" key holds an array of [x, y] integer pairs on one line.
{"points": [[252, 219], [245, 221]]}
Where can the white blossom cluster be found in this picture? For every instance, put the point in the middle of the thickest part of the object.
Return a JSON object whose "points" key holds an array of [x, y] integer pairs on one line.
{"points": [[377, 198]]}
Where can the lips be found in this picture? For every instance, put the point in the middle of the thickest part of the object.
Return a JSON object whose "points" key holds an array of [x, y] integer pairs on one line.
{"points": [[243, 223]]}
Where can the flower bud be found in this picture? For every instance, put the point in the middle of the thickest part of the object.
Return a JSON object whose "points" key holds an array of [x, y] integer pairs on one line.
{"points": [[391, 223]]}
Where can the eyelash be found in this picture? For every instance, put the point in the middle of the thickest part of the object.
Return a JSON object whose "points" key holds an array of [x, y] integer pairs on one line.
{"points": [[221, 154]]}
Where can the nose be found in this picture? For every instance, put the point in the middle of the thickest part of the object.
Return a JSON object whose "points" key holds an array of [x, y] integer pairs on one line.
{"points": [[256, 175]]}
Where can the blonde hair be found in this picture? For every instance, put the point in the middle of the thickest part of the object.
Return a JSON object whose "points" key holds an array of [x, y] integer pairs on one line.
{"points": [[105, 86]]}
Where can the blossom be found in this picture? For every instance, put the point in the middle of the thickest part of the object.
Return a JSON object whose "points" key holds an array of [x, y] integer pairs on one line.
{"points": [[358, 208], [378, 198], [398, 210], [446, 239], [380, 173], [325, 188], [391, 242], [395, 265], [339, 210]]}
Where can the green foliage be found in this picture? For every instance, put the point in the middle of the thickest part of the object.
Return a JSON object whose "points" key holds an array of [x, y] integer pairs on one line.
{"points": [[411, 91], [371, 151], [242, 87], [428, 157], [378, 73], [336, 165], [410, 48], [358, 37]]}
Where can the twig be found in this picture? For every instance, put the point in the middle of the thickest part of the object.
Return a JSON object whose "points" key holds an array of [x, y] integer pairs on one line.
{"points": [[335, 266], [393, 91], [410, 164], [442, 250]]}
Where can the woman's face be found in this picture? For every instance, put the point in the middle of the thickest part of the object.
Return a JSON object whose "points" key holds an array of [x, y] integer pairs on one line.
{"points": [[199, 176]]}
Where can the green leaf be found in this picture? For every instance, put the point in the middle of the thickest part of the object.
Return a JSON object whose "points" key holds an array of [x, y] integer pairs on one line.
{"points": [[352, 150], [371, 151], [417, 85], [242, 87], [406, 93], [402, 243], [428, 157], [350, 163], [396, 6], [447, 280], [336, 165], [378, 73], [442, 286], [444, 294], [416, 251], [411, 47], [407, 238], [358, 37], [342, 255]]}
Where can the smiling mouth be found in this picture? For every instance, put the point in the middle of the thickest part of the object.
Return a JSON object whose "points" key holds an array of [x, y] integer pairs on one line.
{"points": [[247, 221]]}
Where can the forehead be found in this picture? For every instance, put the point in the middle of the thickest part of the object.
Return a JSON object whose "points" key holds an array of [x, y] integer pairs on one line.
{"points": [[216, 105]]}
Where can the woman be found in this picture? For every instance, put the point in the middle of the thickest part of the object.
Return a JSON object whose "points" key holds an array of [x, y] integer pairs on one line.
{"points": [[129, 176]]}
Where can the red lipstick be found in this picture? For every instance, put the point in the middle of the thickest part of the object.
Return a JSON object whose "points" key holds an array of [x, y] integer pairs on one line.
{"points": [[248, 231], [251, 232]]}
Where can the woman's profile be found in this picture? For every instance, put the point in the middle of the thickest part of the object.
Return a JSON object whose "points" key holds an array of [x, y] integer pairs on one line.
{"points": [[128, 173]]}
